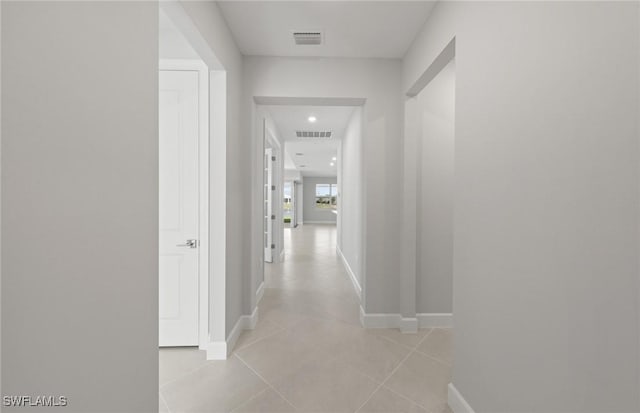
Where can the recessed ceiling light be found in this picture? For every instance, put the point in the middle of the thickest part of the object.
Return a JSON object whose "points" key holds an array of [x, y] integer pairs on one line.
{"points": [[303, 166], [299, 153], [331, 164], [334, 158], [312, 119]]}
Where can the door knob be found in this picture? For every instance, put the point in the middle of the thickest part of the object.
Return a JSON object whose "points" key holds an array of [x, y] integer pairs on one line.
{"points": [[191, 243]]}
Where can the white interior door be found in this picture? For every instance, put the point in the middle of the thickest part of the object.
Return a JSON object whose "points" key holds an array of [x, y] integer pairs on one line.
{"points": [[268, 205], [178, 209]]}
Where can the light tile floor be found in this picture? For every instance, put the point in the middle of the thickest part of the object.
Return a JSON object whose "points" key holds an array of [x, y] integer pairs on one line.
{"points": [[308, 352]]}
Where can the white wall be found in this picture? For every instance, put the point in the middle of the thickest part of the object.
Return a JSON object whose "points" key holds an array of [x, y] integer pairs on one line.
{"points": [[212, 27], [350, 196], [546, 202], [80, 202], [292, 175], [313, 214], [378, 81], [172, 43], [435, 202], [300, 202]]}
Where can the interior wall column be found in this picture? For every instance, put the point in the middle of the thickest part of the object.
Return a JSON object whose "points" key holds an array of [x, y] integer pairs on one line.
{"points": [[409, 322]]}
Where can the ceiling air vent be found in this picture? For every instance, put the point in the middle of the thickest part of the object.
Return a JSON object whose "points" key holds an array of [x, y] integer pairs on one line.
{"points": [[314, 134], [304, 38]]}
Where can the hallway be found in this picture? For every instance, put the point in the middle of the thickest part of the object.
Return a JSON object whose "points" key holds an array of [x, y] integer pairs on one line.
{"points": [[308, 352]]}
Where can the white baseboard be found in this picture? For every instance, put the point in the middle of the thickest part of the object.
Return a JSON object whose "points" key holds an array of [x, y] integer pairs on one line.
{"points": [[217, 350], [405, 324], [260, 293], [352, 275], [220, 350], [408, 325], [432, 320], [379, 320], [457, 403]]}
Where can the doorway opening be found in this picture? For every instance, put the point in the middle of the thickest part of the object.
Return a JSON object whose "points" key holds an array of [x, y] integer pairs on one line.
{"points": [[311, 199], [192, 160], [435, 194], [183, 188]]}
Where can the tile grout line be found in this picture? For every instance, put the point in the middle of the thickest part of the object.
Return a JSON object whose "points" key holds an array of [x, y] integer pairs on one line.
{"points": [[164, 401], [406, 398], [433, 358], [400, 344], [393, 372], [265, 381], [246, 345], [415, 350], [185, 374], [386, 379], [430, 356], [249, 399]]}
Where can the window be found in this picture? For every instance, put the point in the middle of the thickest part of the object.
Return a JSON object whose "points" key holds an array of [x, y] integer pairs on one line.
{"points": [[326, 196], [288, 189]]}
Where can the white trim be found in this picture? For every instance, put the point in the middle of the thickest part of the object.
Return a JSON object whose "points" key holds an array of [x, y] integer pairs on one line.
{"points": [[352, 276], [379, 320], [217, 350], [220, 350], [431, 320], [320, 222], [260, 293], [457, 403], [408, 325], [405, 324]]}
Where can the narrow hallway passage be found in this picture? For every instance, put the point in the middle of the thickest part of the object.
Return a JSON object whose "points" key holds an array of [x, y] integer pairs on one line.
{"points": [[308, 352]]}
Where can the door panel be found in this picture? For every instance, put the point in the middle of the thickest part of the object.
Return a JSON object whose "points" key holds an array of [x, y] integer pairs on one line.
{"points": [[178, 208]]}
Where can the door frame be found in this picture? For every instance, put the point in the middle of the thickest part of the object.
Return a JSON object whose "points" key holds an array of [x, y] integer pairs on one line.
{"points": [[203, 187], [277, 179]]}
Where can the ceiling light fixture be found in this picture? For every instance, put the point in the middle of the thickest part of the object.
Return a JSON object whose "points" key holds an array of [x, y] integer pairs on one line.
{"points": [[334, 158], [312, 119], [331, 164]]}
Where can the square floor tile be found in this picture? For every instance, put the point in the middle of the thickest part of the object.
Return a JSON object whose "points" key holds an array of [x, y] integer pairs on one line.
{"points": [[218, 386], [372, 355], [421, 379], [175, 362], [386, 401], [326, 386], [439, 344], [266, 402], [410, 340], [279, 354], [263, 329]]}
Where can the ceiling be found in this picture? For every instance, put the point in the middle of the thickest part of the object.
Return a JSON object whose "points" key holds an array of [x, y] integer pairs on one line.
{"points": [[317, 153], [383, 29]]}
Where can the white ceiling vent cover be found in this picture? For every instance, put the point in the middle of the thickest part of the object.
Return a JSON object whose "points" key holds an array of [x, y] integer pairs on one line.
{"points": [[307, 37], [310, 134]]}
